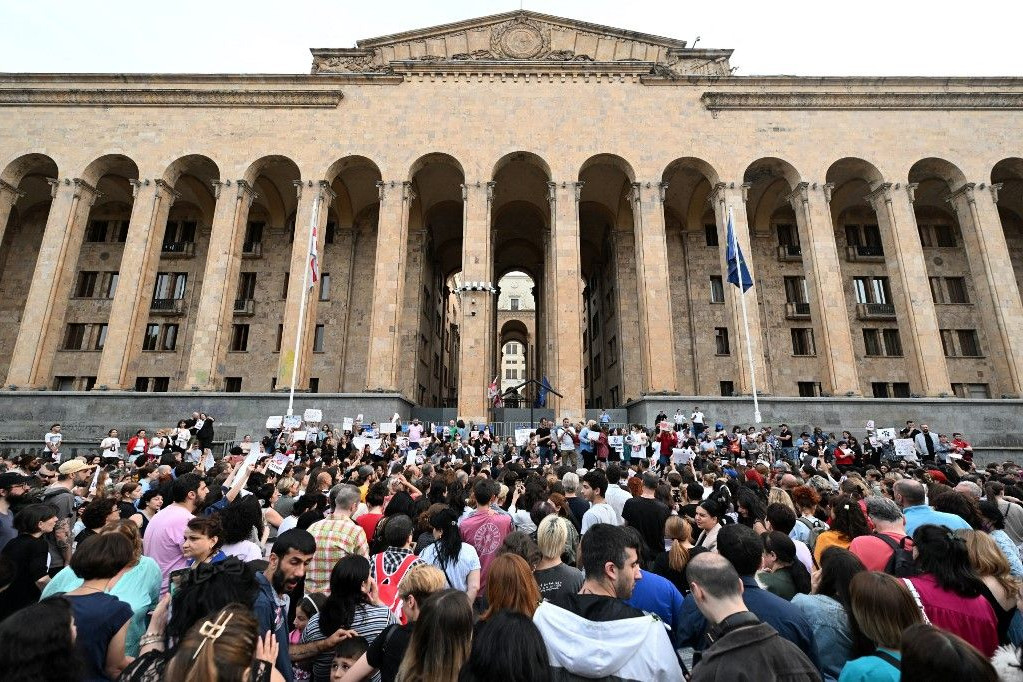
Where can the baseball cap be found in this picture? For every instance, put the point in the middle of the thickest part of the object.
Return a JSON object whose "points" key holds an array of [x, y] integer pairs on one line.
{"points": [[73, 466], [10, 479]]}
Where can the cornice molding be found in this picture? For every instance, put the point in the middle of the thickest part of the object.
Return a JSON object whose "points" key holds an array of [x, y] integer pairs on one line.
{"points": [[743, 101], [183, 97]]}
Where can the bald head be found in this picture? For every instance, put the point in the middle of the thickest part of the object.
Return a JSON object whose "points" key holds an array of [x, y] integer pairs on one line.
{"points": [[789, 481], [909, 493], [715, 575], [969, 488]]}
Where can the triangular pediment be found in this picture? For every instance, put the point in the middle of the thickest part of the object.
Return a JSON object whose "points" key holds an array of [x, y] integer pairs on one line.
{"points": [[501, 39]]}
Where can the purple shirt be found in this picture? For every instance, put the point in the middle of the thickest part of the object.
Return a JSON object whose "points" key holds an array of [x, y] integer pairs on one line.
{"points": [[163, 539]]}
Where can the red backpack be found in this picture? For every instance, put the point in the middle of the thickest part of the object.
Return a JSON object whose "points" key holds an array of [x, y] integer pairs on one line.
{"points": [[387, 584]]}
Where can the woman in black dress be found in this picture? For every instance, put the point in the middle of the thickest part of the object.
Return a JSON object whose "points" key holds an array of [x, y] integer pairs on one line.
{"points": [[31, 556]]}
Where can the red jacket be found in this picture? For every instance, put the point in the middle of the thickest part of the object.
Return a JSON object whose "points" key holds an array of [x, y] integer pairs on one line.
{"points": [[133, 441], [668, 440]]}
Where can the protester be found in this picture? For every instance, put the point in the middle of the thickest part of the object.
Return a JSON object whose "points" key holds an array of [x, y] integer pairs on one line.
{"points": [[388, 567], [336, 537], [708, 520], [29, 553], [165, 531], [441, 641], [456, 558], [226, 647], [37, 644], [848, 522], [593, 488], [553, 577], [507, 647], [876, 550], [13, 487], [290, 555], [781, 573], [930, 653], [881, 607], [485, 528], [998, 586]]}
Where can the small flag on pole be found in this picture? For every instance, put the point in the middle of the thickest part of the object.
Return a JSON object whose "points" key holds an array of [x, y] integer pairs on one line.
{"points": [[541, 395], [736, 263], [314, 265]]}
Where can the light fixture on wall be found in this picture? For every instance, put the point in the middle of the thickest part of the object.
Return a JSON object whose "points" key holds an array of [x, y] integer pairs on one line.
{"points": [[476, 286]]}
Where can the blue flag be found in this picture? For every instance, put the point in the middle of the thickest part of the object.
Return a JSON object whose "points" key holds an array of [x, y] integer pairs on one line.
{"points": [[541, 396], [736, 263]]}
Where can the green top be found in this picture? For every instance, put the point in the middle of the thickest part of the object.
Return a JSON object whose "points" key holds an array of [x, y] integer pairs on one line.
{"points": [[778, 582]]}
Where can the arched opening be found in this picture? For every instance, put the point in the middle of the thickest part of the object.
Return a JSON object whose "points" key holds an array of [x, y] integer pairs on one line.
{"points": [[516, 321], [1009, 174]]}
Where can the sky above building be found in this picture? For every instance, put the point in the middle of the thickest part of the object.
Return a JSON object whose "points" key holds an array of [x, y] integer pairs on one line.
{"points": [[937, 38]]}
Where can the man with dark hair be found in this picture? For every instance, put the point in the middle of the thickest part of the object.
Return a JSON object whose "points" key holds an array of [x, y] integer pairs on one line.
{"points": [[912, 497], [593, 488], [694, 495], [289, 557], [740, 642], [647, 515], [782, 519], [616, 495], [744, 549], [595, 634], [13, 487], [485, 528], [162, 541], [389, 566]]}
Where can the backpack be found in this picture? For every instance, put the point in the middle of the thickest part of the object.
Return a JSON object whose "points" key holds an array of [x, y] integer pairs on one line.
{"points": [[387, 584], [815, 531], [900, 564]]}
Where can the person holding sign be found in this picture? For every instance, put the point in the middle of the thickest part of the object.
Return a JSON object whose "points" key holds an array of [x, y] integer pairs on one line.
{"points": [[567, 440]]}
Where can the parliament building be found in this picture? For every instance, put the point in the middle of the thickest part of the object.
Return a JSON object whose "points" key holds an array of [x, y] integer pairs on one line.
{"points": [[156, 227]]}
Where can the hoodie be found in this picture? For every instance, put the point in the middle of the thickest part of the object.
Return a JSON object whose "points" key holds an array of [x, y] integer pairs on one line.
{"points": [[593, 637]]}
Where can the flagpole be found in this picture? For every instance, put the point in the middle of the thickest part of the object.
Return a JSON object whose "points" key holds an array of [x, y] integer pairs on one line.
{"points": [[301, 306], [745, 319]]}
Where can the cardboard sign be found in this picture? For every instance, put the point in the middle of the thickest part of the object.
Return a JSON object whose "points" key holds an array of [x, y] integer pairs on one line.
{"points": [[361, 442], [522, 436], [594, 436], [297, 436], [277, 464], [292, 421], [388, 427], [681, 455], [905, 448], [313, 416], [274, 423], [347, 424], [617, 442], [886, 434]]}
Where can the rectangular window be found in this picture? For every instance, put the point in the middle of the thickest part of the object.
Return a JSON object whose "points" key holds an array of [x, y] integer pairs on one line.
{"points": [[852, 235], [872, 342], [808, 389], [86, 287], [802, 341], [152, 337], [314, 384], [892, 342], [284, 289], [612, 351], [161, 384], [329, 233], [170, 285], [111, 285], [969, 343], [879, 389], [141, 384], [280, 338], [948, 344], [120, 231], [63, 383], [872, 290], [900, 389], [100, 336], [721, 341], [254, 234], [436, 365], [325, 286], [318, 339], [233, 384], [508, 374], [87, 383], [170, 337], [978, 391], [614, 396], [787, 235], [596, 366], [795, 290], [717, 289], [710, 233], [937, 291], [240, 337], [956, 287], [727, 388], [515, 302], [246, 286], [97, 231]]}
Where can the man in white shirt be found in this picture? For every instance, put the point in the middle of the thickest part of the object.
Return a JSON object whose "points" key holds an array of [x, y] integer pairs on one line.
{"points": [[616, 496], [566, 444], [52, 442], [697, 419], [593, 489]]}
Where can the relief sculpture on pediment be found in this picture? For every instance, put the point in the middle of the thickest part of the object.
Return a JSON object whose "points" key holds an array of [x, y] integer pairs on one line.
{"points": [[521, 38]]}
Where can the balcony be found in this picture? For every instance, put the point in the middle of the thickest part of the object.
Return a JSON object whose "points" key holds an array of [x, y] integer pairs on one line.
{"points": [[178, 249], [167, 306], [244, 306], [790, 253], [797, 311], [875, 311], [865, 253], [252, 250]]}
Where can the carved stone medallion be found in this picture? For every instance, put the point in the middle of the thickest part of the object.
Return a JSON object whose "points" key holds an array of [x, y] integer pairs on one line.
{"points": [[519, 39]]}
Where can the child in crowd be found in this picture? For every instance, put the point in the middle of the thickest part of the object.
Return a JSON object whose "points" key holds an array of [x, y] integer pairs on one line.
{"points": [[306, 609], [345, 656]]}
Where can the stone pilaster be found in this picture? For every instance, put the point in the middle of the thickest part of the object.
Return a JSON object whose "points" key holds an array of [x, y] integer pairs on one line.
{"points": [[566, 374], [313, 205], [657, 342], [904, 258], [733, 196], [412, 316], [823, 272], [389, 287], [219, 285], [627, 290], [43, 320], [346, 239], [995, 281], [129, 311], [477, 302], [9, 195]]}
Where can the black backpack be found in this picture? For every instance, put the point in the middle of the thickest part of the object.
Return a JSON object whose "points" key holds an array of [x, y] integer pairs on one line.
{"points": [[901, 563]]}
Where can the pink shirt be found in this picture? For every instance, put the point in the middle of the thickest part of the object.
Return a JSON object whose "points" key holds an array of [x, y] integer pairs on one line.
{"points": [[163, 539], [873, 552], [485, 531], [972, 618]]}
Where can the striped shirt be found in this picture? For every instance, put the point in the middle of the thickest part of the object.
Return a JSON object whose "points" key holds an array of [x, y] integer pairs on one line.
{"points": [[335, 539], [369, 621]]}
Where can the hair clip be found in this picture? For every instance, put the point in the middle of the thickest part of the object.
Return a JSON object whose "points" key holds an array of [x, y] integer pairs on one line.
{"points": [[212, 632], [316, 609]]}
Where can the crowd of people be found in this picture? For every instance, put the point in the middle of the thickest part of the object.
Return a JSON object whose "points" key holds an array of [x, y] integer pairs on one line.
{"points": [[680, 550]]}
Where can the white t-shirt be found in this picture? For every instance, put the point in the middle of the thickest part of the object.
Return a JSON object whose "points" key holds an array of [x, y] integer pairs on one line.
{"points": [[457, 571], [53, 439], [111, 447], [638, 441], [599, 513], [246, 550], [680, 418], [565, 437], [697, 417], [181, 437]]}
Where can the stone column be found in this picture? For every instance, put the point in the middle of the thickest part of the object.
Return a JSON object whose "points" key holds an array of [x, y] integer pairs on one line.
{"points": [[219, 285], [385, 360], [904, 258], [725, 196], [346, 239], [657, 338], [995, 281], [52, 281], [412, 315], [627, 290], [129, 311], [310, 194], [476, 325], [566, 299], [823, 272], [9, 195]]}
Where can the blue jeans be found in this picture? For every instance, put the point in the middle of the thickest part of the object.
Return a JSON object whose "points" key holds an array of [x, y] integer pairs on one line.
{"points": [[545, 456]]}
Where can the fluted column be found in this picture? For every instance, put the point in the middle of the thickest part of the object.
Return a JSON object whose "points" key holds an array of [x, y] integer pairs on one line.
{"points": [[657, 342], [388, 286], [9, 195], [477, 302], [995, 281], [725, 196], [627, 292], [129, 311], [219, 285], [904, 258], [52, 281], [311, 196], [823, 272], [566, 374]]}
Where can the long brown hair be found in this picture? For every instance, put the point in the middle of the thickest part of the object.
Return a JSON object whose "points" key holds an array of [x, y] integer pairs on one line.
{"points": [[678, 531], [881, 607], [225, 658], [441, 640], [988, 560], [510, 585]]}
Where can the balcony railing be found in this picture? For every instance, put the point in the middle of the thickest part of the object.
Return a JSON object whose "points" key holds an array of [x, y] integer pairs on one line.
{"points": [[167, 306], [252, 249], [790, 252], [864, 252], [875, 311], [178, 249], [797, 311], [244, 306]]}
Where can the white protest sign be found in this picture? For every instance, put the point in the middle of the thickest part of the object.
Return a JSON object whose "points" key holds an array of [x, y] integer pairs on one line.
{"points": [[388, 427], [904, 448], [594, 436], [297, 436], [292, 421], [681, 455], [617, 442], [249, 461], [313, 416], [346, 424], [274, 423], [474, 433], [361, 442], [403, 443], [410, 458], [886, 434], [277, 464], [522, 436]]}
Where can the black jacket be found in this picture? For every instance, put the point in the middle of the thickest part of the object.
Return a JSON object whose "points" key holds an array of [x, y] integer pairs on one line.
{"points": [[754, 653]]}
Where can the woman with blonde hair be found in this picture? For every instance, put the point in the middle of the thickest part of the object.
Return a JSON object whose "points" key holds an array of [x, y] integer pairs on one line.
{"points": [[442, 639], [1000, 587], [225, 647], [779, 496], [678, 550], [553, 578]]}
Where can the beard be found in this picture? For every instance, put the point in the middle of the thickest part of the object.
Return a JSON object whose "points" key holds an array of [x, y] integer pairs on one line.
{"points": [[279, 582], [623, 586]]}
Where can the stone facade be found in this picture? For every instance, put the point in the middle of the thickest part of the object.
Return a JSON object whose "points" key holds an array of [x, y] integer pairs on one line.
{"points": [[882, 220]]}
